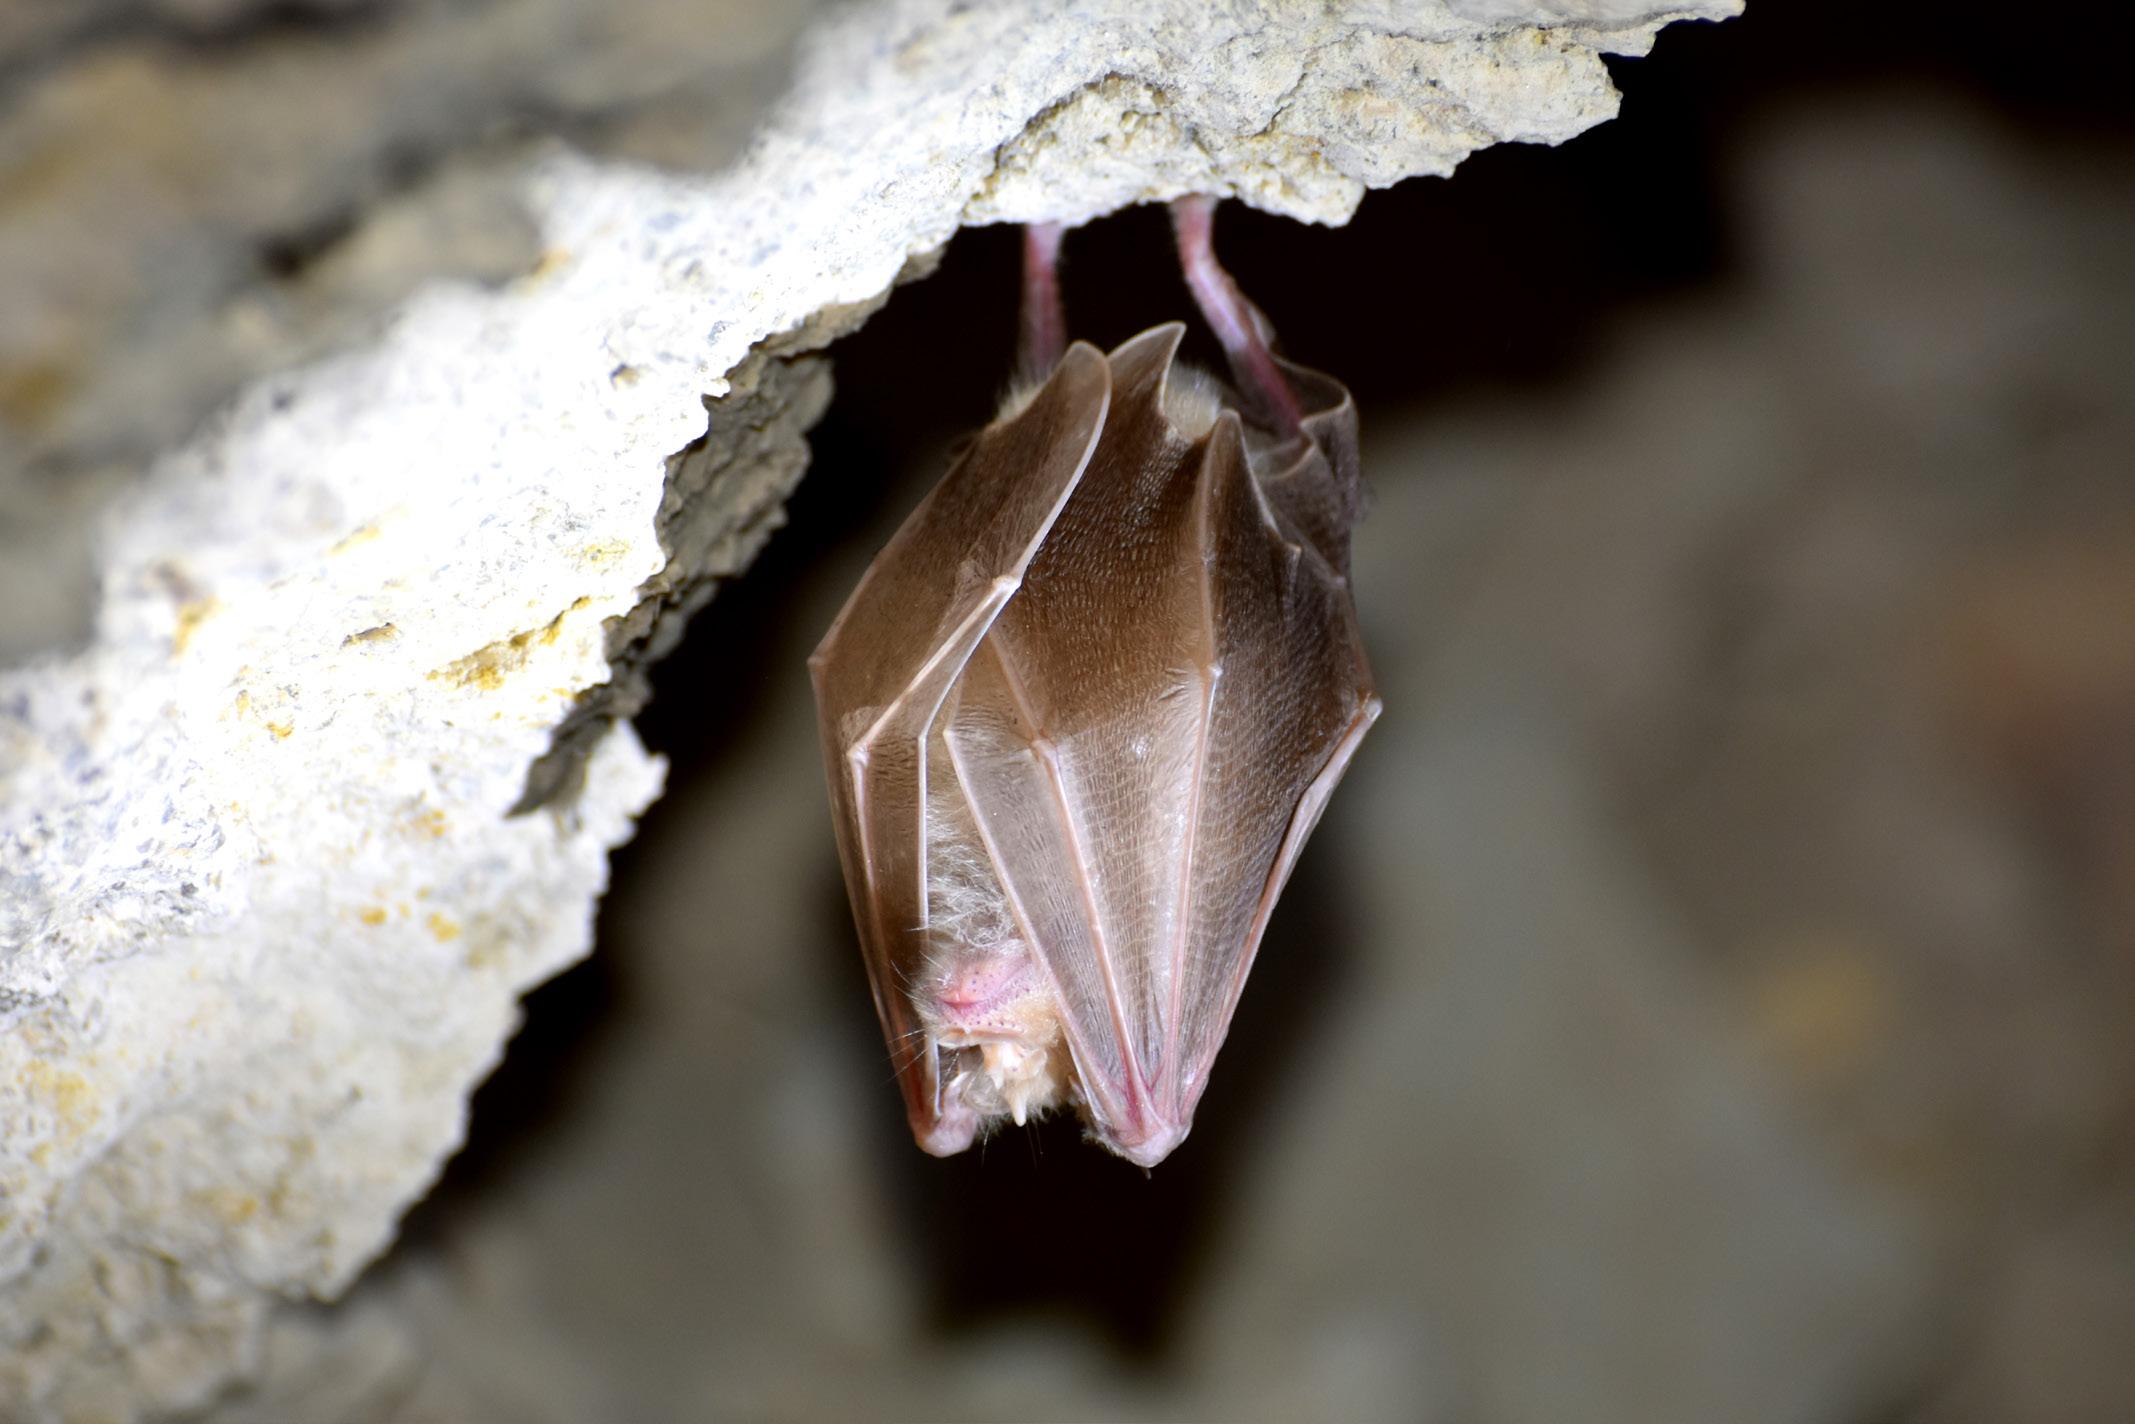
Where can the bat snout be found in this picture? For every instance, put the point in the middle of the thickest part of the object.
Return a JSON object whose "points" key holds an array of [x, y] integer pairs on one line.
{"points": [[986, 994], [965, 1005], [992, 1021]]}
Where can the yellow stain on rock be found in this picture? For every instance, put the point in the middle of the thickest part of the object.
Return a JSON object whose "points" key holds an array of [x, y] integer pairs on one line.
{"points": [[445, 930], [231, 1206], [384, 632], [486, 668], [372, 916], [33, 392], [1823, 1006], [191, 614], [362, 534], [68, 1095], [548, 264]]}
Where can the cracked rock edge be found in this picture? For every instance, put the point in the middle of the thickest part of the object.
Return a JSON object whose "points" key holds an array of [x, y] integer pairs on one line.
{"points": [[725, 497]]}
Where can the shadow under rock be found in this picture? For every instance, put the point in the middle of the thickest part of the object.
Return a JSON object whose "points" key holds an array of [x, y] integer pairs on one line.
{"points": [[567, 1022]]}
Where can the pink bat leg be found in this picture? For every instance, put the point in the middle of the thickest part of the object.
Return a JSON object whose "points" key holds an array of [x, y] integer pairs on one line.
{"points": [[1044, 328], [1225, 308]]}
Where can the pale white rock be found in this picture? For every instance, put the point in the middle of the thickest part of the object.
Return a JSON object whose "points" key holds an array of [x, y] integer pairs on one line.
{"points": [[269, 890]]}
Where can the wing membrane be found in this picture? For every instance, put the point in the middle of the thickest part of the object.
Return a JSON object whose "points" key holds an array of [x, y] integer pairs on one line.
{"points": [[1294, 686], [887, 664], [1109, 650]]}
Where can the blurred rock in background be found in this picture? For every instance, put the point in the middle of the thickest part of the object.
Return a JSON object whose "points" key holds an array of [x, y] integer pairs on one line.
{"points": [[1709, 998], [193, 192]]}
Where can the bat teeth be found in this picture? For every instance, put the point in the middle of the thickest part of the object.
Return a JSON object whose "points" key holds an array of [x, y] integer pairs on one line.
{"points": [[1002, 1077]]}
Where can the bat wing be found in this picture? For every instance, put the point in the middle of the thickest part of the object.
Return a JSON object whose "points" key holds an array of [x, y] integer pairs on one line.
{"points": [[1314, 485], [890, 660], [1294, 702], [1149, 728]]}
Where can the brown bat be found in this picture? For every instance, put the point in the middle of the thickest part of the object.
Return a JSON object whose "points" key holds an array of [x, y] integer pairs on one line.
{"points": [[1082, 713]]}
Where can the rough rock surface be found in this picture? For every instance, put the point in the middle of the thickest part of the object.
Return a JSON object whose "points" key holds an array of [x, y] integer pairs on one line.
{"points": [[336, 779], [194, 193]]}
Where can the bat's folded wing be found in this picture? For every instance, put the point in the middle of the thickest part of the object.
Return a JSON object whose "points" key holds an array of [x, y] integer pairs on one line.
{"points": [[1294, 700], [885, 667], [1147, 735], [1313, 484]]}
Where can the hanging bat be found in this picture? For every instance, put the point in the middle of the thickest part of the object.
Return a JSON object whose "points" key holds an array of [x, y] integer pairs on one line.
{"points": [[1083, 711]]}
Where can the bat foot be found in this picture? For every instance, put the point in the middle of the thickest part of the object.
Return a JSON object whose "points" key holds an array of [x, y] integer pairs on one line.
{"points": [[1043, 339], [1237, 323]]}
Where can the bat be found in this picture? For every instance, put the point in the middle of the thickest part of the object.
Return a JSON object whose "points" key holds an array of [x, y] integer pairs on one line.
{"points": [[1082, 712]]}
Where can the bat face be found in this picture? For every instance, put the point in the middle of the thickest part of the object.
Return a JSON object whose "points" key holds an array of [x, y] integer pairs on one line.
{"points": [[1079, 718]]}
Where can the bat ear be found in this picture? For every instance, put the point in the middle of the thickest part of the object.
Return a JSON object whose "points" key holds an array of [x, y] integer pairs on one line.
{"points": [[1242, 327]]}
